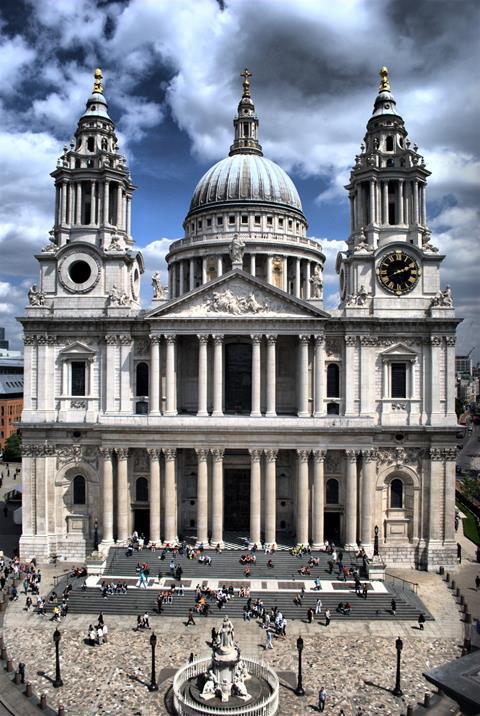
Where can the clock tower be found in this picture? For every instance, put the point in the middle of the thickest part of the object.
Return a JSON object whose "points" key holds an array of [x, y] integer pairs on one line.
{"points": [[391, 268]]}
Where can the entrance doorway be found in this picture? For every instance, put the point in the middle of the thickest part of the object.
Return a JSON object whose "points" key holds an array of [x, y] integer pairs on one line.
{"points": [[141, 521], [332, 527], [236, 500], [238, 378]]}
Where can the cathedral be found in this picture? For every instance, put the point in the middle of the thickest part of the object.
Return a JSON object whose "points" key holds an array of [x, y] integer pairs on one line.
{"points": [[235, 406]]}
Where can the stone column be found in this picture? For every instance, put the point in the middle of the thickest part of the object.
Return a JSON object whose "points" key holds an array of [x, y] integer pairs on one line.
{"points": [[318, 506], [218, 376], [181, 278], [107, 490], [255, 495], [71, 204], [271, 496], [285, 274], [385, 201], [351, 500], [423, 204], [256, 373], [269, 269], [348, 387], [217, 496], [450, 456], [123, 508], [302, 496], [204, 270], [154, 494], [126, 359], [78, 211], [307, 280], [64, 202], [202, 375], [303, 343], [191, 277], [154, 403], [119, 206], [415, 218], [219, 265], [106, 202], [298, 278], [401, 217], [319, 376], [450, 377], [271, 376], [170, 454], [93, 202], [110, 393], [435, 348], [352, 212], [202, 496], [369, 474], [171, 375], [129, 215], [373, 217], [253, 267]]}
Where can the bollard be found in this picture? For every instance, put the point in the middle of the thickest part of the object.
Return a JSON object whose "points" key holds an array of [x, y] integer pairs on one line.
{"points": [[453, 585], [426, 699], [17, 679], [1, 641], [28, 690], [462, 600], [467, 645], [468, 618], [43, 701], [441, 571], [447, 577], [61, 710], [457, 592], [3, 653], [9, 664], [410, 707]]}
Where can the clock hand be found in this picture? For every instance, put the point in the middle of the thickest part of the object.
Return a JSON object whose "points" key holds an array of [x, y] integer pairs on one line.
{"points": [[400, 271]]}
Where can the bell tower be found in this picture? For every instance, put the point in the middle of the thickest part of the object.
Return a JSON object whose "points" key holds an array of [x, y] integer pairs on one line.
{"points": [[89, 263], [390, 263]]}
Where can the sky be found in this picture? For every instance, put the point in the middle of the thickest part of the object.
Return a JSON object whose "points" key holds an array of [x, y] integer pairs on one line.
{"points": [[171, 77]]}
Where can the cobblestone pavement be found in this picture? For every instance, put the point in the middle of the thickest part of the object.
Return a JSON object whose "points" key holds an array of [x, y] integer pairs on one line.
{"points": [[355, 661]]}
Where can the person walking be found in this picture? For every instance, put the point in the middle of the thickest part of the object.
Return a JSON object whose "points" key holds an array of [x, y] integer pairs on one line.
{"points": [[318, 606], [477, 582], [365, 590], [190, 619], [310, 615], [459, 552], [322, 697], [393, 607], [21, 671], [269, 639], [327, 617], [421, 620]]}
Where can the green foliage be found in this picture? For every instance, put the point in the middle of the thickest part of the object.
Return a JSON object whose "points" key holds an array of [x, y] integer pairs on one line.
{"points": [[471, 486], [459, 407], [12, 452], [470, 525]]}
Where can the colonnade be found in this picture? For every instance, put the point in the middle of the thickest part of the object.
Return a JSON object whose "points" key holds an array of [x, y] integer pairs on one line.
{"points": [[309, 498], [294, 272], [372, 205], [270, 340], [70, 204]]}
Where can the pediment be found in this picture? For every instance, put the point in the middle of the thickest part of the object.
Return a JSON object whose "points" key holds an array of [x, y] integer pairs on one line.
{"points": [[237, 294], [77, 349], [399, 351]]}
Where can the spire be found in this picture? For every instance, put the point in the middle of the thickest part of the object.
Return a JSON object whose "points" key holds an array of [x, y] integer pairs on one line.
{"points": [[385, 101], [97, 85], [246, 122]]}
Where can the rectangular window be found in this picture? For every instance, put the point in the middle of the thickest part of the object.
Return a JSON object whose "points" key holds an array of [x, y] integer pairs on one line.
{"points": [[244, 219], [209, 222], [269, 220], [257, 219], [78, 378], [280, 222], [231, 219], [199, 223], [399, 380], [219, 220]]}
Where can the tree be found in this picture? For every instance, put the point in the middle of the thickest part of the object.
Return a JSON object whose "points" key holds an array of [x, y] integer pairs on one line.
{"points": [[12, 452], [471, 486]]}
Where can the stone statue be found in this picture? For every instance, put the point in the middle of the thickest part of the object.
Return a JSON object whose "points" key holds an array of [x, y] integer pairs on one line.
{"points": [[227, 302], [158, 289], [359, 298], [426, 242], [443, 299], [227, 634], [317, 283], [36, 297], [240, 689], [115, 244], [117, 297], [210, 686], [237, 249]]}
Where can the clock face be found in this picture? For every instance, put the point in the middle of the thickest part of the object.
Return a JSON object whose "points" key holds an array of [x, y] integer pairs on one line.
{"points": [[398, 272]]}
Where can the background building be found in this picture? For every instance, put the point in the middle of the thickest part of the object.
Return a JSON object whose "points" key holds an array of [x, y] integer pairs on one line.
{"points": [[11, 389], [236, 405]]}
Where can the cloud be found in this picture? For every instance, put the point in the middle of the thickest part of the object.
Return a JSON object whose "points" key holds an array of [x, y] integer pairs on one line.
{"points": [[14, 55]]}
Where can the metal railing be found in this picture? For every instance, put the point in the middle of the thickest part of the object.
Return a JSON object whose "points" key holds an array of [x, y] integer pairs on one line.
{"points": [[186, 706], [413, 586]]}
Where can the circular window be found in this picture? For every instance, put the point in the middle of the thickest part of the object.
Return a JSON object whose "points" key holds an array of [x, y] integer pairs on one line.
{"points": [[93, 108], [387, 106], [79, 271], [399, 437]]}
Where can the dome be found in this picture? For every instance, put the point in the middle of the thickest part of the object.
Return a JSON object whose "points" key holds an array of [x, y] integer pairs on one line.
{"points": [[245, 177]]}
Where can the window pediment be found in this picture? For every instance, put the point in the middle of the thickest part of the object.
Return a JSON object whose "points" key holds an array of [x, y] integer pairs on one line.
{"points": [[77, 351], [399, 352]]}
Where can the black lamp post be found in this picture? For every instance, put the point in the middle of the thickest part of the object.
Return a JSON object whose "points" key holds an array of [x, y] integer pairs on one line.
{"points": [[95, 536], [397, 691], [56, 640], [153, 686], [300, 691]]}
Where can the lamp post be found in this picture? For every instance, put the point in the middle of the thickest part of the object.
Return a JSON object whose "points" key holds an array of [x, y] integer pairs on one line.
{"points": [[397, 691], [56, 640], [300, 691], [95, 536], [153, 686]]}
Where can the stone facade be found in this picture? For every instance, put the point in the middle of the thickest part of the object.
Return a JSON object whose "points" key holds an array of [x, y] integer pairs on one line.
{"points": [[236, 403]]}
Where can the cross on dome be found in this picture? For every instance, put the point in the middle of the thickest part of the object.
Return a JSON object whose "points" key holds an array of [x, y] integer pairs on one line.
{"points": [[246, 82], [384, 83]]}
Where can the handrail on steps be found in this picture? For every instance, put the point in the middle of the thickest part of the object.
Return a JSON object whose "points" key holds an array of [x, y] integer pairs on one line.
{"points": [[413, 586]]}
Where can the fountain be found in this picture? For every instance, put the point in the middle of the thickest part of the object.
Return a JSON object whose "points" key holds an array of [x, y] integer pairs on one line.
{"points": [[226, 682]]}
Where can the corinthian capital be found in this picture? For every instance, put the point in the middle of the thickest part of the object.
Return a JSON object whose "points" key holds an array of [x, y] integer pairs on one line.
{"points": [[319, 455], [122, 453], [170, 454], [255, 454], [105, 452], [352, 455], [303, 455], [369, 455], [154, 454], [271, 455], [218, 454], [202, 454]]}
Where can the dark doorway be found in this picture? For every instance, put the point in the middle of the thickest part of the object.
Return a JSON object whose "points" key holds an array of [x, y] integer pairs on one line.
{"points": [[236, 500], [238, 378], [141, 522], [332, 527]]}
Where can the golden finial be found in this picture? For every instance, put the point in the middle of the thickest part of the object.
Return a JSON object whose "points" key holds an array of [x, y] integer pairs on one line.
{"points": [[97, 85], [384, 83], [246, 83]]}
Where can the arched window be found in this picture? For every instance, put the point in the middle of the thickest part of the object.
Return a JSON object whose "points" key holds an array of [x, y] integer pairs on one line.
{"points": [[396, 494], [141, 490], [333, 381], [91, 144], [389, 145], [332, 492], [79, 490], [142, 379]]}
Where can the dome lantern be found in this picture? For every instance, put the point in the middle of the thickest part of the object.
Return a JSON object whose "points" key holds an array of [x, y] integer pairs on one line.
{"points": [[246, 123]]}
